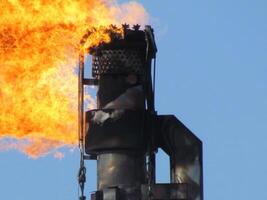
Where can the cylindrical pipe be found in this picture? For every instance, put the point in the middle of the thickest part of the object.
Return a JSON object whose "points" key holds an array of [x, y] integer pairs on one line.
{"points": [[116, 134], [120, 169]]}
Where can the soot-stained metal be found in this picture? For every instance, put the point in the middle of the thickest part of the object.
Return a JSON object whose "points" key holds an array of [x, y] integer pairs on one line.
{"points": [[124, 132]]}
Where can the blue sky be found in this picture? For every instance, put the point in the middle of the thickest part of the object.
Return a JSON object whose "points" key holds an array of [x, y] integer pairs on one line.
{"points": [[212, 74]]}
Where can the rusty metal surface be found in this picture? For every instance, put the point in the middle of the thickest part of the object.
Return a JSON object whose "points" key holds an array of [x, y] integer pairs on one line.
{"points": [[118, 193], [167, 191], [111, 130], [121, 92], [185, 151], [120, 169], [111, 194]]}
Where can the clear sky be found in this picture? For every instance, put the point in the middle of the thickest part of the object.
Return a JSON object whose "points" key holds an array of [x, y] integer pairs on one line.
{"points": [[212, 74]]}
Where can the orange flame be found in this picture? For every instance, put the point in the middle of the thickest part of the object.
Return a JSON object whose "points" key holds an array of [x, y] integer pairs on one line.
{"points": [[39, 45]]}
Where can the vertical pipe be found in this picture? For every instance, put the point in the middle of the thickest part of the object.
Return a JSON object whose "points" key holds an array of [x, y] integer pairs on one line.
{"points": [[82, 170], [80, 100]]}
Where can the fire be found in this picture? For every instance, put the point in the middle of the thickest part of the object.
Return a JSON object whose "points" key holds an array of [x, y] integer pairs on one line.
{"points": [[39, 46]]}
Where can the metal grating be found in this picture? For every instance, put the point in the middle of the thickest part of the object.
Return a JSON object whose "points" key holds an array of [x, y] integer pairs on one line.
{"points": [[118, 62]]}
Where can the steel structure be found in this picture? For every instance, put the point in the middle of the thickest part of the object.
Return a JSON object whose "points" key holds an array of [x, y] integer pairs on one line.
{"points": [[124, 132]]}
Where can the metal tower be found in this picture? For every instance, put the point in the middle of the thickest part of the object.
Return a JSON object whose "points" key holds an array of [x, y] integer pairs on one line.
{"points": [[124, 132]]}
